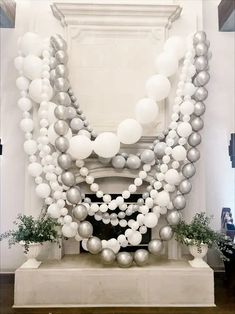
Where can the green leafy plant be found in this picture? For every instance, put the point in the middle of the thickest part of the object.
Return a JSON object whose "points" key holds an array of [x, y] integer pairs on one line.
{"points": [[33, 230], [199, 232]]}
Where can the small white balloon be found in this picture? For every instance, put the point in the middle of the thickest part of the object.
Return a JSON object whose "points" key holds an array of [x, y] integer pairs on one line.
{"points": [[24, 104], [150, 220], [106, 145], [166, 64], [172, 177], [146, 110], [187, 107], [27, 125], [80, 147], [129, 131], [179, 153], [22, 83], [157, 87], [32, 67], [189, 89], [30, 147], [135, 238], [43, 190], [163, 198], [53, 211], [19, 63], [36, 93], [184, 129], [35, 169]]}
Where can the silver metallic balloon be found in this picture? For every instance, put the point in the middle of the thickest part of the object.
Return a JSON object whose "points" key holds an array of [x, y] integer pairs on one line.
{"points": [[193, 154], [199, 37], [200, 94], [71, 113], [197, 124], [194, 139], [107, 256], [53, 63], [52, 75], [124, 259], [199, 108], [201, 49], [147, 156], [159, 149], [188, 170], [179, 202], [133, 162], [61, 127], [68, 178], [155, 246], [76, 124], [61, 84], [61, 57], [118, 162], [201, 63], [94, 245], [202, 78], [141, 257], [173, 218], [166, 233], [85, 229], [62, 144], [61, 70], [80, 212], [61, 112], [74, 195], [185, 186], [63, 99], [64, 161]]}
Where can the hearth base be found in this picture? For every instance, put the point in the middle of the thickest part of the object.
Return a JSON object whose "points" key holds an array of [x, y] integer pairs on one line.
{"points": [[81, 281]]}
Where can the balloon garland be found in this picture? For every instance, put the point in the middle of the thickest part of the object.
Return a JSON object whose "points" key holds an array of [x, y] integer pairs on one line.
{"points": [[58, 150]]}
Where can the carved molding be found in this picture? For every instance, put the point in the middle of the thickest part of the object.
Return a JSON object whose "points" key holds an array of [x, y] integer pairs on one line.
{"points": [[114, 14]]}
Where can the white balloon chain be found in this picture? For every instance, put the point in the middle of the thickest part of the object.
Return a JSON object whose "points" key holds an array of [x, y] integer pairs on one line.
{"points": [[41, 92]]}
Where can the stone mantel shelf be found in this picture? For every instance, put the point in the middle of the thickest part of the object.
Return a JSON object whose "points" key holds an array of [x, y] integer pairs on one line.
{"points": [[113, 14]]}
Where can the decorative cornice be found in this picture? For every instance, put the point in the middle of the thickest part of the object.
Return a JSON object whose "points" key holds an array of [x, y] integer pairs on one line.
{"points": [[114, 14]]}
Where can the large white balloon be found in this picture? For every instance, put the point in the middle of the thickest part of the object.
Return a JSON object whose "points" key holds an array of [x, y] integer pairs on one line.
{"points": [[150, 220], [32, 67], [129, 131], [172, 177], [163, 198], [43, 190], [106, 145], [68, 231], [35, 91], [135, 238], [80, 147], [30, 147], [157, 87], [179, 153], [31, 43], [175, 45], [53, 211], [166, 64], [184, 129], [146, 110], [53, 136], [35, 169], [187, 107]]}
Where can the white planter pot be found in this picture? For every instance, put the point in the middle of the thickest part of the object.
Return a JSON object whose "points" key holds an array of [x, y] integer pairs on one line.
{"points": [[31, 255], [198, 255]]}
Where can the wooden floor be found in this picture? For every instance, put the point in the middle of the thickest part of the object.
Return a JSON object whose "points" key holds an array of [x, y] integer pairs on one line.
{"points": [[225, 301]]}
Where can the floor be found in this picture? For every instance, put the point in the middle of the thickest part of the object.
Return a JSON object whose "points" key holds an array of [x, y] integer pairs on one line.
{"points": [[225, 300]]}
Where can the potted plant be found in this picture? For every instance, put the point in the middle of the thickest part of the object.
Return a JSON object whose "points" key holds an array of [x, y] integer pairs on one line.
{"points": [[31, 233], [199, 236]]}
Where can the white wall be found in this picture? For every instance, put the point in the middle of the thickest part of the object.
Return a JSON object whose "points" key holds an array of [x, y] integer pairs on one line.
{"points": [[214, 183]]}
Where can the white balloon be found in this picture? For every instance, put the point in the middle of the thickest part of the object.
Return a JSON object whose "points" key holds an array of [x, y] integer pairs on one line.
{"points": [[189, 89], [150, 220], [187, 107], [172, 177], [19, 63], [175, 45], [163, 198], [146, 110], [35, 91], [80, 147], [166, 64], [27, 125], [68, 231], [32, 67], [179, 153], [184, 129], [30, 147], [31, 43], [129, 131], [157, 87], [43, 190], [22, 83], [53, 211], [35, 169], [24, 104], [135, 238], [52, 135], [106, 145]]}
